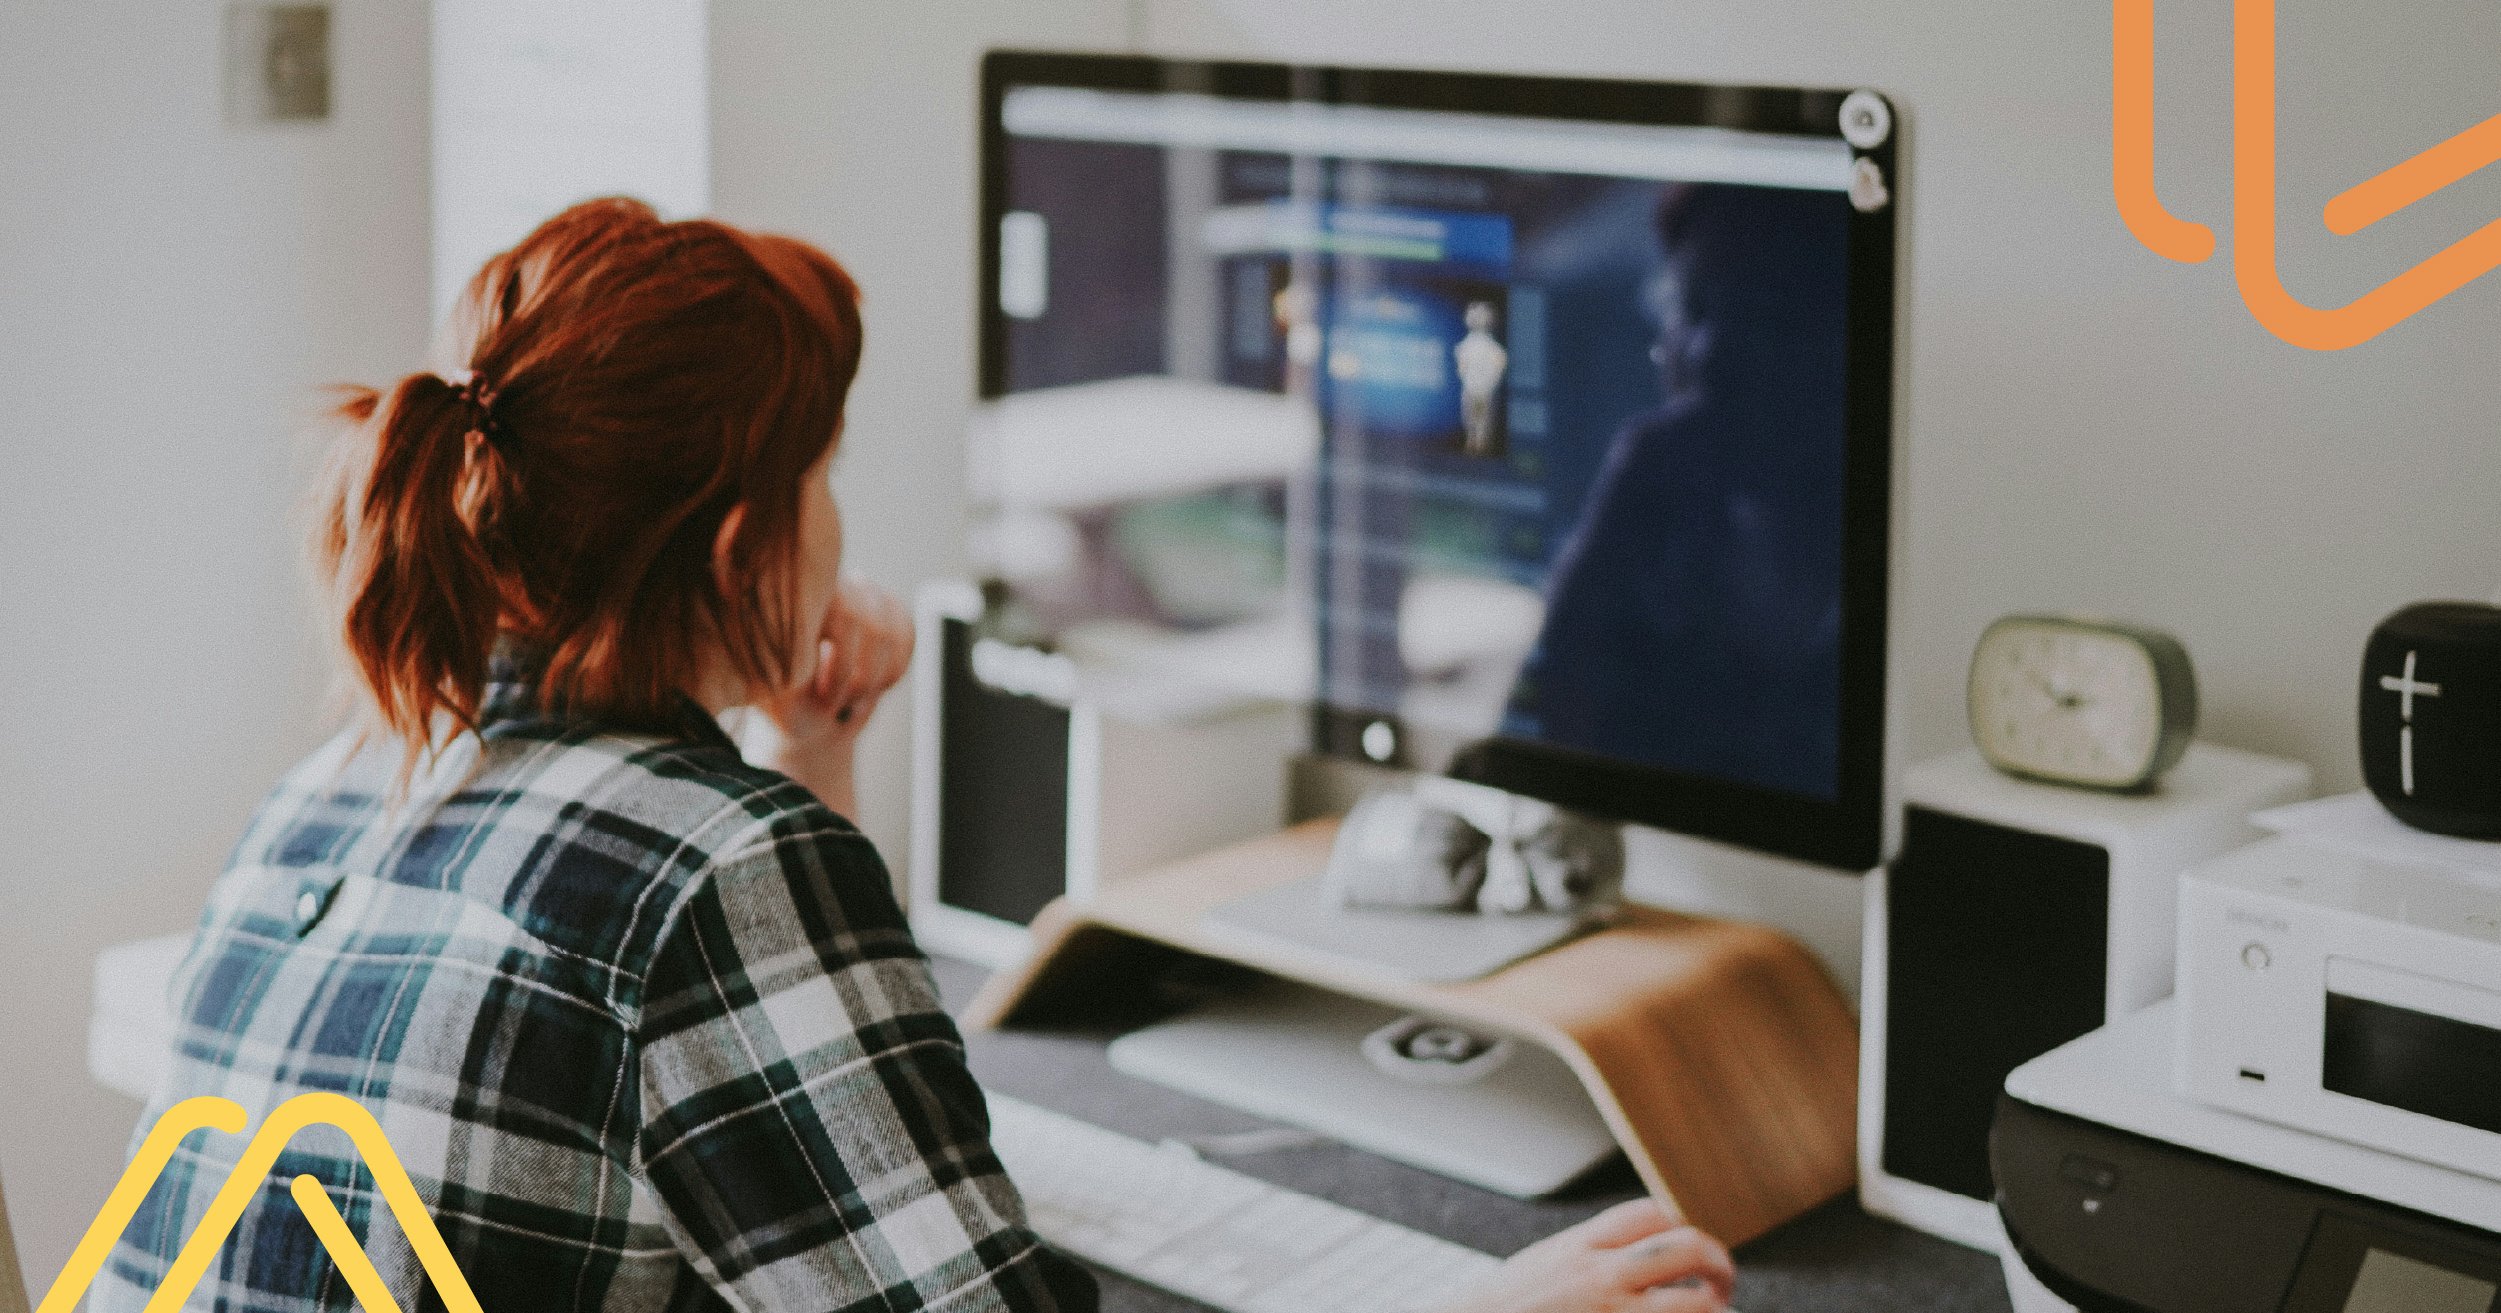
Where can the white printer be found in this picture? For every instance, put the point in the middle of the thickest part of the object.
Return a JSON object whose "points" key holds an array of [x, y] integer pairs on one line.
{"points": [[2120, 1196], [2313, 1126]]}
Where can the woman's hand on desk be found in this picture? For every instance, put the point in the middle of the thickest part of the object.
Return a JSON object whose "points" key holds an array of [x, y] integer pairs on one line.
{"points": [[863, 648], [1632, 1258]]}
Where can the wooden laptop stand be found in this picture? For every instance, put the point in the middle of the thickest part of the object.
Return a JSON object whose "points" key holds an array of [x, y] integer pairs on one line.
{"points": [[1719, 1053]]}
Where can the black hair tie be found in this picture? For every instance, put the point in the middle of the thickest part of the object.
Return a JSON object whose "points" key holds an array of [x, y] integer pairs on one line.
{"points": [[478, 393]]}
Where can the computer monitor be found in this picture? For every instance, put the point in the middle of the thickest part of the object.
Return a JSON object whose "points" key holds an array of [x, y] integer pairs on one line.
{"points": [[1537, 430]]}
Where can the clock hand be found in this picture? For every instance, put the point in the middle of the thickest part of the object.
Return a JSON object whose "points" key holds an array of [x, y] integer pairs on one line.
{"points": [[2051, 689]]}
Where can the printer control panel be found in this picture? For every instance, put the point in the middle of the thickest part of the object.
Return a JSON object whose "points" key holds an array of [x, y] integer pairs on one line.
{"points": [[2355, 1266]]}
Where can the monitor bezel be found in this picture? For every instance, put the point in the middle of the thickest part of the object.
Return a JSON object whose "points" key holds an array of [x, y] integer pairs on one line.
{"points": [[1845, 831]]}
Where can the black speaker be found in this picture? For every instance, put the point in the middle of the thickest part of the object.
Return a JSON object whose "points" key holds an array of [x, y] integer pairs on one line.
{"points": [[2018, 916], [2431, 717], [1030, 781], [1003, 773], [1999, 943]]}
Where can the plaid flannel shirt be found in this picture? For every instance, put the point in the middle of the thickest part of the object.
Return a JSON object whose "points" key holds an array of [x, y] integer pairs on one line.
{"points": [[643, 1022]]}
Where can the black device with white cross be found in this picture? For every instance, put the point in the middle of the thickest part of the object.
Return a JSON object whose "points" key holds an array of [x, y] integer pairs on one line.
{"points": [[2431, 717]]}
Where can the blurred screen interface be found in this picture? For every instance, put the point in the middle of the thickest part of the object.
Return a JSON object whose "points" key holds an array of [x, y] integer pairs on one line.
{"points": [[1512, 428]]}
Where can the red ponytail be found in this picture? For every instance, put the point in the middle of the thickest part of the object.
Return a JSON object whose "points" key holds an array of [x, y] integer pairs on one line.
{"points": [[634, 382]]}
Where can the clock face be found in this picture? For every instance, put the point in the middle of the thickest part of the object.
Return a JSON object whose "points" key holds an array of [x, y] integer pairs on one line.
{"points": [[2072, 702]]}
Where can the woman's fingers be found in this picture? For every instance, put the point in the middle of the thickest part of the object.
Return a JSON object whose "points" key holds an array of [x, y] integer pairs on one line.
{"points": [[859, 694], [867, 671], [864, 649], [1678, 1255], [1623, 1224], [1681, 1299], [884, 633], [884, 616], [828, 663], [1638, 1257]]}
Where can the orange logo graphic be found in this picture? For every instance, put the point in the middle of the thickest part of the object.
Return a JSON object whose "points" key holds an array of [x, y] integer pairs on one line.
{"points": [[2253, 190], [292, 1117]]}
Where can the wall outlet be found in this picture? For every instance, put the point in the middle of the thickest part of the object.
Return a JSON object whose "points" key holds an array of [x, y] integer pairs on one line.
{"points": [[277, 63]]}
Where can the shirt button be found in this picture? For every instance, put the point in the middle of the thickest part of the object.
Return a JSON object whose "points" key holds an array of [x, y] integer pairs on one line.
{"points": [[309, 906]]}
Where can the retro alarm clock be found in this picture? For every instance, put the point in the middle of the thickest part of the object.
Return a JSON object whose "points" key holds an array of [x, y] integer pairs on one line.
{"points": [[2093, 703], [2431, 717]]}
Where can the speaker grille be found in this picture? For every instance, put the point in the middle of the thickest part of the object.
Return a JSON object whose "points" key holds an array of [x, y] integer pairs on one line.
{"points": [[1002, 792], [1997, 951]]}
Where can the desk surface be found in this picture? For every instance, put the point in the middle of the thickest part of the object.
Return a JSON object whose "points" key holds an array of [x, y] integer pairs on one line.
{"points": [[1836, 1258]]}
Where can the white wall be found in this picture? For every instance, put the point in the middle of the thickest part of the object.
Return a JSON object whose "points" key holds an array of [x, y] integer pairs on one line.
{"points": [[172, 289], [538, 104], [850, 125], [2089, 427]]}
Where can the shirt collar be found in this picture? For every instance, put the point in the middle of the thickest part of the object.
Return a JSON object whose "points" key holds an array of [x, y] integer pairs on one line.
{"points": [[514, 693]]}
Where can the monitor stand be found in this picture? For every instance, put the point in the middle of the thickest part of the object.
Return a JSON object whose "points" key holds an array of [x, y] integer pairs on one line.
{"points": [[1427, 947], [1461, 1101], [1723, 1061], [1822, 908]]}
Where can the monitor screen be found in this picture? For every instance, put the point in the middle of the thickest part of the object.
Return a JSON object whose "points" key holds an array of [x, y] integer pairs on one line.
{"points": [[1536, 431]]}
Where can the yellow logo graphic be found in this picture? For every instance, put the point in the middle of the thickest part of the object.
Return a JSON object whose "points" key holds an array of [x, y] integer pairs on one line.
{"points": [[292, 1117], [2254, 263]]}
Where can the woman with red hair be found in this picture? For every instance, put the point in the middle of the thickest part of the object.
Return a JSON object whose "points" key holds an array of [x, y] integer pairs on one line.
{"points": [[637, 1010]]}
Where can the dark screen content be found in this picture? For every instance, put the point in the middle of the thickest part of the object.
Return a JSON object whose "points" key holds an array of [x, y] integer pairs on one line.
{"points": [[2413, 1061], [1582, 439]]}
